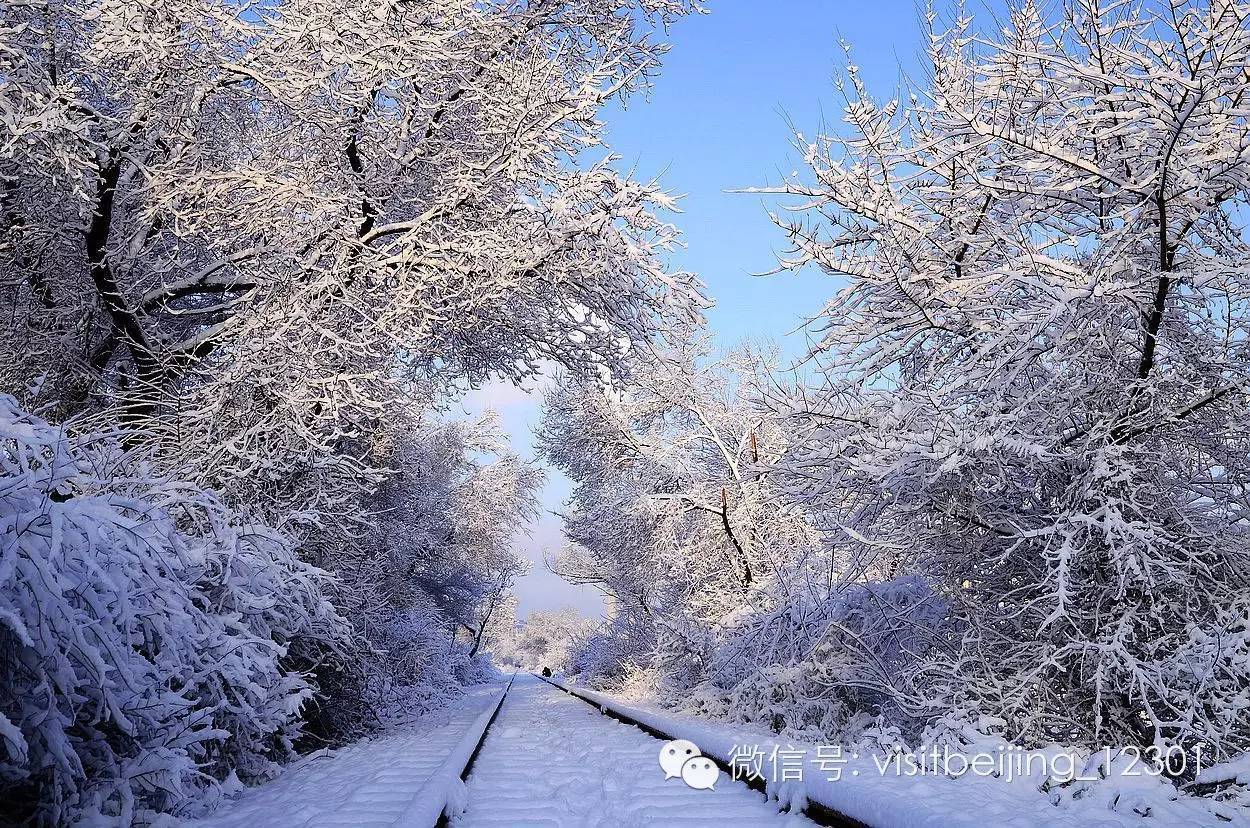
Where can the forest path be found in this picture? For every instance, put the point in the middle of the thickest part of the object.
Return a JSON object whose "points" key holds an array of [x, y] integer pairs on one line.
{"points": [[551, 760], [367, 784]]}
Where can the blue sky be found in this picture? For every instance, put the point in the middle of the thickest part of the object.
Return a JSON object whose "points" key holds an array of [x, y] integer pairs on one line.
{"points": [[736, 83]]}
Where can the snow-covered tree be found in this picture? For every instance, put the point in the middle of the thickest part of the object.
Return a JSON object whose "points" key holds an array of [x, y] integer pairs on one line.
{"points": [[241, 230], [260, 245], [673, 517], [431, 580], [1034, 382]]}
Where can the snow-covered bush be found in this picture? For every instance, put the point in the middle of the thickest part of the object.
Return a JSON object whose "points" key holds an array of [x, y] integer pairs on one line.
{"points": [[143, 629], [827, 669], [421, 663], [623, 646]]}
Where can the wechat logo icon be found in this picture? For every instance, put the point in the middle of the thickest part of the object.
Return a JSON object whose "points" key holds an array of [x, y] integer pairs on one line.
{"points": [[682, 758]]}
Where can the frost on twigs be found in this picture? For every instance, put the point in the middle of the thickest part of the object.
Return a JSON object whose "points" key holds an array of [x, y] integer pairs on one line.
{"points": [[253, 239], [1010, 484], [1034, 376], [266, 246]]}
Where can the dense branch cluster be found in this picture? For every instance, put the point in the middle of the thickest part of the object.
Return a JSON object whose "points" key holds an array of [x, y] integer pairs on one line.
{"points": [[250, 253], [1020, 447], [257, 249]]}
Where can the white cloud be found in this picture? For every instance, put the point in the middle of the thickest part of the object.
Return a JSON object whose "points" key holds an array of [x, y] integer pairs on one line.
{"points": [[503, 395], [499, 396]]}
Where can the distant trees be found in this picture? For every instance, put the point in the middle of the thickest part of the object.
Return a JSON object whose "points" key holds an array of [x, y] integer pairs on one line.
{"points": [[676, 450], [433, 573], [673, 515], [545, 640]]}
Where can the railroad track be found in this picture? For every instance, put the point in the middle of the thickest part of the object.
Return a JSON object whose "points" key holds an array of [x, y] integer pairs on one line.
{"points": [[443, 821], [815, 811], [543, 761]]}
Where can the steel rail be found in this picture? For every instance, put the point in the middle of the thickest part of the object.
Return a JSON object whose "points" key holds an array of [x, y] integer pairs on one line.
{"points": [[817, 812]]}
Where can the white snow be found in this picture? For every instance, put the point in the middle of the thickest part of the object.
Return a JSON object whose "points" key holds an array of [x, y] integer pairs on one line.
{"points": [[402, 778], [1236, 770], [890, 799], [552, 760]]}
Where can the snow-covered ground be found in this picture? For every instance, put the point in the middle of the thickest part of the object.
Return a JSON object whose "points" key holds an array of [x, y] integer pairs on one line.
{"points": [[554, 761], [550, 759], [892, 799], [368, 784]]}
